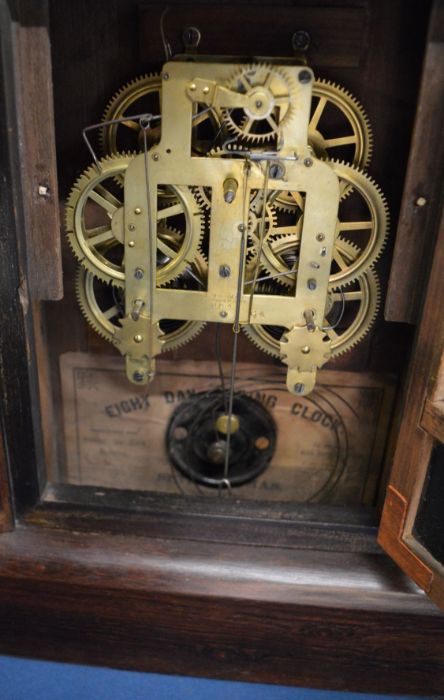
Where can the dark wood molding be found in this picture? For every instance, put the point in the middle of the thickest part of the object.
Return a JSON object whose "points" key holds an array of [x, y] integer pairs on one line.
{"points": [[421, 202], [20, 414], [273, 615], [35, 124], [415, 444], [6, 519]]}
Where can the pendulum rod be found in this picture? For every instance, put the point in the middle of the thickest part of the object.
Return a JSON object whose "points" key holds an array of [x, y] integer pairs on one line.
{"points": [[236, 328], [152, 240]]}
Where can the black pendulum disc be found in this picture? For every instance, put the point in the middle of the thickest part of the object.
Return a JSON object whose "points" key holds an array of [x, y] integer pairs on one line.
{"points": [[196, 439]]}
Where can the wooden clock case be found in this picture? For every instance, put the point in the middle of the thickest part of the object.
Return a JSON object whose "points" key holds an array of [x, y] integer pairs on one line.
{"points": [[299, 596]]}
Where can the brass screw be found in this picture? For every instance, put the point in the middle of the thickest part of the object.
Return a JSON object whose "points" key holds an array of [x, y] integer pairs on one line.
{"points": [[131, 244], [193, 87], [155, 156], [137, 210], [131, 227], [320, 237], [421, 202], [305, 349], [138, 338], [223, 314], [206, 90]]}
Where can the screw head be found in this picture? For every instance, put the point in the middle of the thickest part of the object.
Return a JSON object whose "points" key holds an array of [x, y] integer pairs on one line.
{"points": [[421, 202], [311, 284], [320, 236], [193, 87], [258, 104], [299, 388], [131, 244], [137, 210], [241, 228], [276, 171], [138, 376], [308, 162], [131, 227], [206, 90], [304, 76], [138, 338], [155, 156], [300, 40], [223, 314], [166, 76], [224, 271], [138, 273], [305, 349]]}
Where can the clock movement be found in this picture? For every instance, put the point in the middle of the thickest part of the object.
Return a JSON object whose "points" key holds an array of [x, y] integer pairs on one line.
{"points": [[222, 374]]}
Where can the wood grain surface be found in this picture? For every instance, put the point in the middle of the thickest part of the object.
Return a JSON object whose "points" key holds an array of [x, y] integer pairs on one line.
{"points": [[348, 622], [421, 201]]}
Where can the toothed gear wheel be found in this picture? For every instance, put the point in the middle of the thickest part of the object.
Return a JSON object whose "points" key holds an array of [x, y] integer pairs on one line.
{"points": [[358, 304], [186, 216], [143, 95], [255, 219], [103, 306], [369, 228], [270, 93], [338, 129], [369, 233], [147, 88], [95, 218], [358, 137]]}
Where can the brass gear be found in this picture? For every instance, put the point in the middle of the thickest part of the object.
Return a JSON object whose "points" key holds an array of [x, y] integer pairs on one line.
{"points": [[145, 86], [366, 291], [373, 229], [149, 89], [93, 297], [177, 207], [325, 95], [272, 86], [91, 244], [358, 139]]}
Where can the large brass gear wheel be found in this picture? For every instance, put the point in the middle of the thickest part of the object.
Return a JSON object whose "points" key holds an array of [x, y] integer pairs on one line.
{"points": [[363, 217], [95, 219], [103, 307], [338, 129], [271, 92], [146, 88], [363, 294], [351, 121], [143, 95]]}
